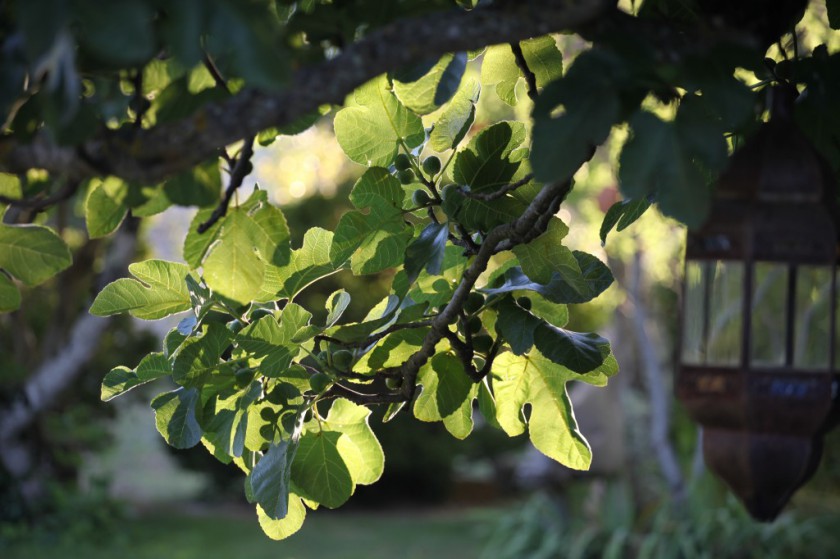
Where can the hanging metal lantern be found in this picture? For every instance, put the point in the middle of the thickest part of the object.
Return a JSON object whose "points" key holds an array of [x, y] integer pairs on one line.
{"points": [[757, 357]]}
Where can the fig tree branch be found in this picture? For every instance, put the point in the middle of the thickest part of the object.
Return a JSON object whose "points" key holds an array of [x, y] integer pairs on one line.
{"points": [[149, 156]]}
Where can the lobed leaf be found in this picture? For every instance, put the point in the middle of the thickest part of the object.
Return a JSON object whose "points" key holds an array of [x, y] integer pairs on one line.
{"points": [[534, 379], [447, 395], [371, 132], [159, 290], [352, 421]]}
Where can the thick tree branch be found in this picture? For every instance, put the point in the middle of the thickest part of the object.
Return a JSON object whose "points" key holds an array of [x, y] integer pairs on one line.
{"points": [[151, 155]]}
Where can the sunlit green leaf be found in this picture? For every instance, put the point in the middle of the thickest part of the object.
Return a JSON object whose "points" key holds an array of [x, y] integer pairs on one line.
{"points": [[199, 356], [319, 469], [447, 394], [546, 254], [159, 290], [370, 132], [437, 86], [455, 120], [32, 253], [352, 421], [291, 523], [552, 427], [271, 342], [233, 268], [105, 206], [372, 241], [122, 379], [337, 303], [307, 264], [499, 66]]}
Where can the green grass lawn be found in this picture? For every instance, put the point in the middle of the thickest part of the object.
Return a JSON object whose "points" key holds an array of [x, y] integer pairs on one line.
{"points": [[233, 535]]}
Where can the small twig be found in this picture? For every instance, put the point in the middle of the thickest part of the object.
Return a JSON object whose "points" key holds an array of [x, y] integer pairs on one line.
{"points": [[530, 78], [338, 390], [237, 175], [38, 203], [465, 354], [215, 73], [141, 102], [490, 196], [373, 338], [471, 246], [539, 212], [239, 167], [458, 241]]}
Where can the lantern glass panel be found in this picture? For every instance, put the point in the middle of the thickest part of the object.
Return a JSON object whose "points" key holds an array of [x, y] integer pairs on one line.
{"points": [[812, 325], [712, 318], [769, 309], [725, 321], [693, 342]]}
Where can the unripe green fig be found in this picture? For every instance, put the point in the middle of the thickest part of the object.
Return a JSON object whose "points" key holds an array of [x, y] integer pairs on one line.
{"points": [[420, 197], [474, 325], [243, 376], [235, 325], [475, 301], [393, 383], [406, 176], [319, 382], [257, 314], [402, 162], [431, 165], [524, 302], [482, 343], [449, 190], [342, 359]]}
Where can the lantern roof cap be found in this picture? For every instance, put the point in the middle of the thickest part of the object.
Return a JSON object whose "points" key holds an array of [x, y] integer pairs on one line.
{"points": [[777, 164]]}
